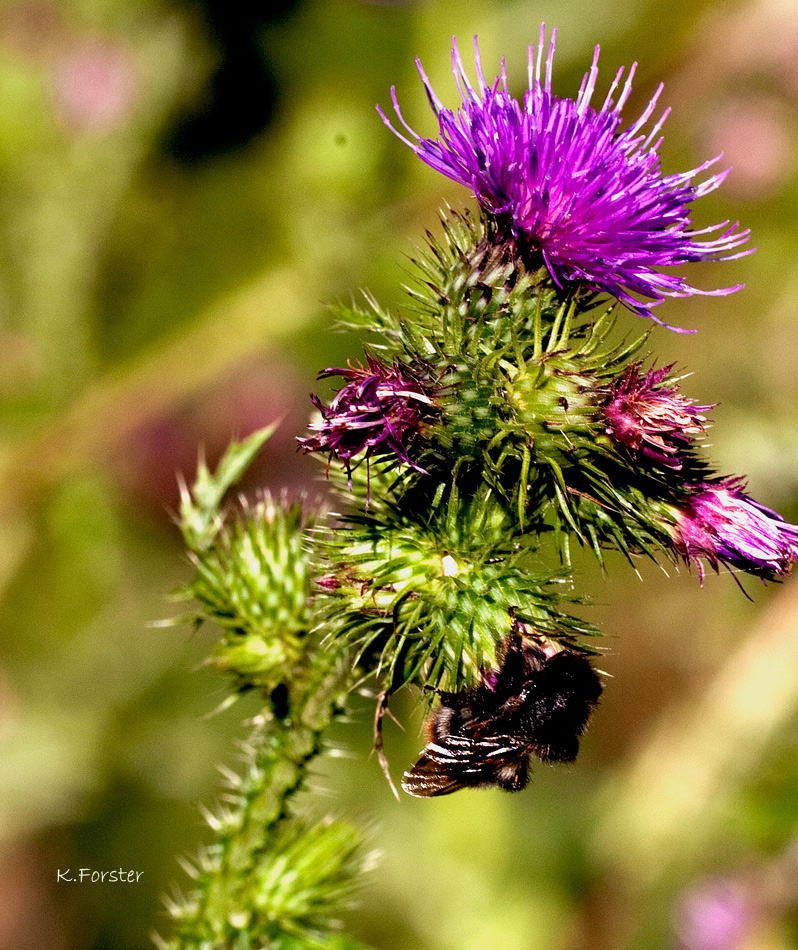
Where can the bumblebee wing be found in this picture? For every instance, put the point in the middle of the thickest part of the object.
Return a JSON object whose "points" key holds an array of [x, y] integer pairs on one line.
{"points": [[428, 778], [456, 762]]}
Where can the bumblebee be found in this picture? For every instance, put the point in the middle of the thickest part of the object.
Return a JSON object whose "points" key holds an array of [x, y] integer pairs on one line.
{"points": [[537, 702]]}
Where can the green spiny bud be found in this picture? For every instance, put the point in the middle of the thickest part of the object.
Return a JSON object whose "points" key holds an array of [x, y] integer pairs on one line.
{"points": [[430, 601], [254, 582], [549, 398]]}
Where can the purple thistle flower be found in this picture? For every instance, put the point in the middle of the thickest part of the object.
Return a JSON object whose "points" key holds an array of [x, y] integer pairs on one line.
{"points": [[715, 916], [645, 414], [721, 523], [378, 411], [566, 182]]}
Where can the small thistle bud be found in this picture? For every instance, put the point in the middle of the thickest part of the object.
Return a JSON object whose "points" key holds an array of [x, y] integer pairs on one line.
{"points": [[254, 580], [722, 524], [646, 414], [379, 412], [549, 397]]}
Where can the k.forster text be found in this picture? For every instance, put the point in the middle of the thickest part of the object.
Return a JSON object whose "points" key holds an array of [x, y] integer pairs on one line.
{"points": [[90, 876]]}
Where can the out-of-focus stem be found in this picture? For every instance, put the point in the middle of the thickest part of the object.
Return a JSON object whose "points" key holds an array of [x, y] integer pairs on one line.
{"points": [[665, 806], [167, 372]]}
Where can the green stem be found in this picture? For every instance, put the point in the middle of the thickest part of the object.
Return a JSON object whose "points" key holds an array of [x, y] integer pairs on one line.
{"points": [[235, 901]]}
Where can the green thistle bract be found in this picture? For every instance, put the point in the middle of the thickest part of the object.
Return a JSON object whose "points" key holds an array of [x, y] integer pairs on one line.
{"points": [[428, 602]]}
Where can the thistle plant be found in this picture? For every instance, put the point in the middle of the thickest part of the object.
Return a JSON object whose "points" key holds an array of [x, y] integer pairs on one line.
{"points": [[496, 421]]}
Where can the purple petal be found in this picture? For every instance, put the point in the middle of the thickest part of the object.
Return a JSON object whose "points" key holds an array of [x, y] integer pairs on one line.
{"points": [[573, 185]]}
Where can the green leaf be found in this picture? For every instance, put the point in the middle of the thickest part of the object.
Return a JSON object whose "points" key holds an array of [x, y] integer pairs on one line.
{"points": [[199, 506]]}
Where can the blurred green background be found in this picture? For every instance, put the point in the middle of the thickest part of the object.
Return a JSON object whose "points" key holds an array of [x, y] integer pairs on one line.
{"points": [[184, 187]]}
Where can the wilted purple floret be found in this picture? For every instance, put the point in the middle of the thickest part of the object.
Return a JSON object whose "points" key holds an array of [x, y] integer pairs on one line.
{"points": [[646, 414], [379, 410], [569, 183], [723, 525]]}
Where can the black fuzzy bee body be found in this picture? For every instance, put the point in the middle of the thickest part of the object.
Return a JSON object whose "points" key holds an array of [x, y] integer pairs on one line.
{"points": [[537, 702]]}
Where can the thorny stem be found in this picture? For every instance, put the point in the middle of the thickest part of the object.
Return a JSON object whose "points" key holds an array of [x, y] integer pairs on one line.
{"points": [[286, 738]]}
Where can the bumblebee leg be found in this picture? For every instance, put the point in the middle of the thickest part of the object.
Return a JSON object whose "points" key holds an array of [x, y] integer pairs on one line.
{"points": [[514, 776], [380, 711]]}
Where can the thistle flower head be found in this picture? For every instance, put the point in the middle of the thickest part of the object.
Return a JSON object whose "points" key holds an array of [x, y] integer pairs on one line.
{"points": [[647, 414], [564, 181], [715, 915], [722, 524], [378, 412]]}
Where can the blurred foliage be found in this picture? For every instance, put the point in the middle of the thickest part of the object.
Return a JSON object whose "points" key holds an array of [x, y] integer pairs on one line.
{"points": [[185, 187]]}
